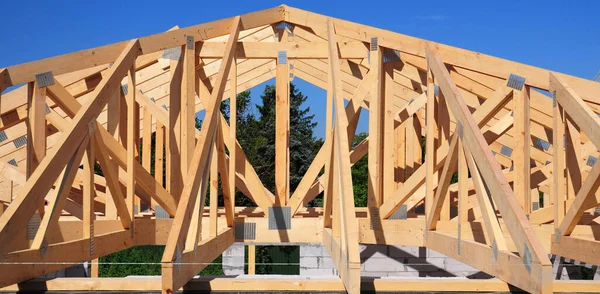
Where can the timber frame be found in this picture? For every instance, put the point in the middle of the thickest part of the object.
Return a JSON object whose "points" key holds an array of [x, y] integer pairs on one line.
{"points": [[484, 117]]}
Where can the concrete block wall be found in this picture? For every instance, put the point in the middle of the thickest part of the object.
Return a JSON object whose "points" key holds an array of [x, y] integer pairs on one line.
{"points": [[233, 260], [388, 261], [412, 262]]}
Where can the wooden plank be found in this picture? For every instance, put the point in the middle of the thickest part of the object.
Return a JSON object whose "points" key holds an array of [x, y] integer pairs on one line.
{"points": [[558, 165], [115, 150], [492, 226], [22, 73], [193, 261], [282, 131], [89, 216], [60, 255], [56, 201], [388, 138], [430, 160], [188, 104], [292, 284], [376, 117], [441, 194], [198, 166], [516, 221], [412, 184], [481, 257], [345, 254], [232, 132], [175, 167], [251, 259], [577, 248], [132, 125], [475, 61], [463, 191], [228, 196], [214, 190], [36, 128], [17, 215], [521, 153], [295, 49]]}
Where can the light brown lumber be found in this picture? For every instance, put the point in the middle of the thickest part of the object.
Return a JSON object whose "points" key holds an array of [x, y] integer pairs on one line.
{"points": [[174, 165], [481, 115], [332, 284], [493, 66], [232, 134], [521, 151], [376, 117], [132, 125], [388, 135], [22, 73], [57, 199], [516, 221], [214, 188], [490, 219], [89, 216], [36, 129], [347, 264], [116, 150], [197, 168], [43, 177], [188, 103], [282, 131]]}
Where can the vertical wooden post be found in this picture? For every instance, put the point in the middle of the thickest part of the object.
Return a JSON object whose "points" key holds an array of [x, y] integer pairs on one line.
{"points": [[410, 145], [214, 190], [376, 118], [282, 129], [443, 123], [113, 124], [232, 131], [328, 183], [558, 163], [463, 185], [188, 104], [36, 130], [147, 147], [159, 163], [132, 124], [430, 158], [400, 154], [88, 188], [521, 153], [95, 268], [572, 160], [389, 154], [175, 182], [251, 259]]}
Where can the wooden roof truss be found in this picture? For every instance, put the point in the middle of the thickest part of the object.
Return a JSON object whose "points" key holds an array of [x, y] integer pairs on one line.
{"points": [[481, 116]]}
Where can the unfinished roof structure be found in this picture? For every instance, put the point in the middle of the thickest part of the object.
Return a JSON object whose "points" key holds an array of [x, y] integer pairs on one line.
{"points": [[484, 117]]}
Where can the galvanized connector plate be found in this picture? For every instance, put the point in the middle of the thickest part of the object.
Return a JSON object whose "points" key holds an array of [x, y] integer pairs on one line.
{"points": [[280, 218], [44, 79], [516, 82], [282, 57], [400, 213], [374, 44], [245, 231]]}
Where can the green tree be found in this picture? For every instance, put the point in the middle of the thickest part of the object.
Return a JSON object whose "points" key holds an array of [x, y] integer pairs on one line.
{"points": [[360, 174], [303, 144]]}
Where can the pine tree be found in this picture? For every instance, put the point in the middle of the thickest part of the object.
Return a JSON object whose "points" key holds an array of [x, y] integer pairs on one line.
{"points": [[303, 145]]}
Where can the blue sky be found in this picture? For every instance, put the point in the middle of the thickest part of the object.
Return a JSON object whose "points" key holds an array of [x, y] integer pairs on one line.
{"points": [[559, 35]]}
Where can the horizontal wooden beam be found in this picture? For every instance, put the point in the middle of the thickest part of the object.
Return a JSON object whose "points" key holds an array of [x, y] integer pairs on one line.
{"points": [[25, 72], [295, 50]]}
